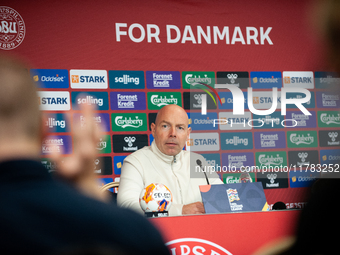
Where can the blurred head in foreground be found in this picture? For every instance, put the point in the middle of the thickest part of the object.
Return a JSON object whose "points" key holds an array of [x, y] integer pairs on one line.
{"points": [[20, 118]]}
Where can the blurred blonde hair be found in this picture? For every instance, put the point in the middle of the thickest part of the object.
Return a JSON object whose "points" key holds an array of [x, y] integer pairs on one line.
{"points": [[19, 106]]}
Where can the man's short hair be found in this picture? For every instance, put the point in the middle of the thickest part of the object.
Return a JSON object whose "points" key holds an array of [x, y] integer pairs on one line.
{"points": [[19, 107]]}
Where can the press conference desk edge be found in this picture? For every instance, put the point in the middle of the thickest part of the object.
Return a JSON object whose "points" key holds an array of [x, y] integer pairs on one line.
{"points": [[227, 229]]}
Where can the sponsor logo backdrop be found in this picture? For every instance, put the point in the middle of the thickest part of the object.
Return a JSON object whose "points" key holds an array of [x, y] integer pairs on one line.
{"points": [[131, 67]]}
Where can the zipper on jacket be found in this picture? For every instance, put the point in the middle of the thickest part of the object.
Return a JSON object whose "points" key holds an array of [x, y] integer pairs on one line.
{"points": [[180, 190]]}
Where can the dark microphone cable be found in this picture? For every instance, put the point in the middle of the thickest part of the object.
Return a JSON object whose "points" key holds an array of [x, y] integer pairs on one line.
{"points": [[199, 163]]}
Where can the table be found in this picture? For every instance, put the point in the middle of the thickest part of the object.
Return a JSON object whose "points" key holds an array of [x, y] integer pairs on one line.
{"points": [[230, 233]]}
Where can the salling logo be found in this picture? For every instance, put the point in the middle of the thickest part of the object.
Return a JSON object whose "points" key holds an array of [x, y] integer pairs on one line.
{"points": [[12, 28], [161, 101], [52, 122], [126, 79], [236, 140], [90, 100], [330, 119], [266, 120], [301, 139], [123, 123], [88, 79]]}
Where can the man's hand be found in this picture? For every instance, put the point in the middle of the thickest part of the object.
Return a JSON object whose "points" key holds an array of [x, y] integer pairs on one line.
{"points": [[79, 168], [194, 208]]}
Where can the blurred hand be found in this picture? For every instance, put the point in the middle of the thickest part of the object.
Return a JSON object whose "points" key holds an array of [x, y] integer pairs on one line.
{"points": [[194, 208], [79, 167]]}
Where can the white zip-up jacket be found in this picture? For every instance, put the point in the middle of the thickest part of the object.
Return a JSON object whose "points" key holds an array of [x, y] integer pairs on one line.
{"points": [[149, 165]]}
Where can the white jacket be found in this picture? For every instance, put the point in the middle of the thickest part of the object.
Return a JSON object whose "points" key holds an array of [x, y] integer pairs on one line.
{"points": [[149, 165]]}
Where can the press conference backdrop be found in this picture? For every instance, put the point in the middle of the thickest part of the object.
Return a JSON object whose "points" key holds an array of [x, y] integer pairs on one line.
{"points": [[133, 57]]}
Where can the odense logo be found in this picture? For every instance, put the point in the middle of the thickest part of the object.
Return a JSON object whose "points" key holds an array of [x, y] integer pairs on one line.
{"points": [[183, 246]]}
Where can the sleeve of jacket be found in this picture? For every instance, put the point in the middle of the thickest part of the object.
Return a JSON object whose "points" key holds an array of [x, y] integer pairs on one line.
{"points": [[131, 184], [175, 210]]}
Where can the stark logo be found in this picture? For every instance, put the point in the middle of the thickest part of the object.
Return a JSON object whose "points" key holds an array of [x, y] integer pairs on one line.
{"points": [[75, 78], [12, 28]]}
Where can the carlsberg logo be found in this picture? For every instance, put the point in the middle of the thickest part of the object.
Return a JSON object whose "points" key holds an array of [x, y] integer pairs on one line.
{"points": [[328, 119], [128, 122], [163, 100], [301, 139], [270, 160]]}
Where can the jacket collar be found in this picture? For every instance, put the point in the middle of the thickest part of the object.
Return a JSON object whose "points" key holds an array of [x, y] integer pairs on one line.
{"points": [[166, 158]]}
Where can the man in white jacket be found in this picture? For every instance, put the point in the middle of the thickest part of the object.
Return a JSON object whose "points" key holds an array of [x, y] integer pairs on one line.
{"points": [[166, 162]]}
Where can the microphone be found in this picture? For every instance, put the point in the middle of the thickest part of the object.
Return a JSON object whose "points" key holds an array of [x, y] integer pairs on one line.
{"points": [[199, 163], [279, 206]]}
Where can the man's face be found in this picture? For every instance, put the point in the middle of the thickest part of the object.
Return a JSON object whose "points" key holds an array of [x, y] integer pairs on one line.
{"points": [[171, 130]]}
